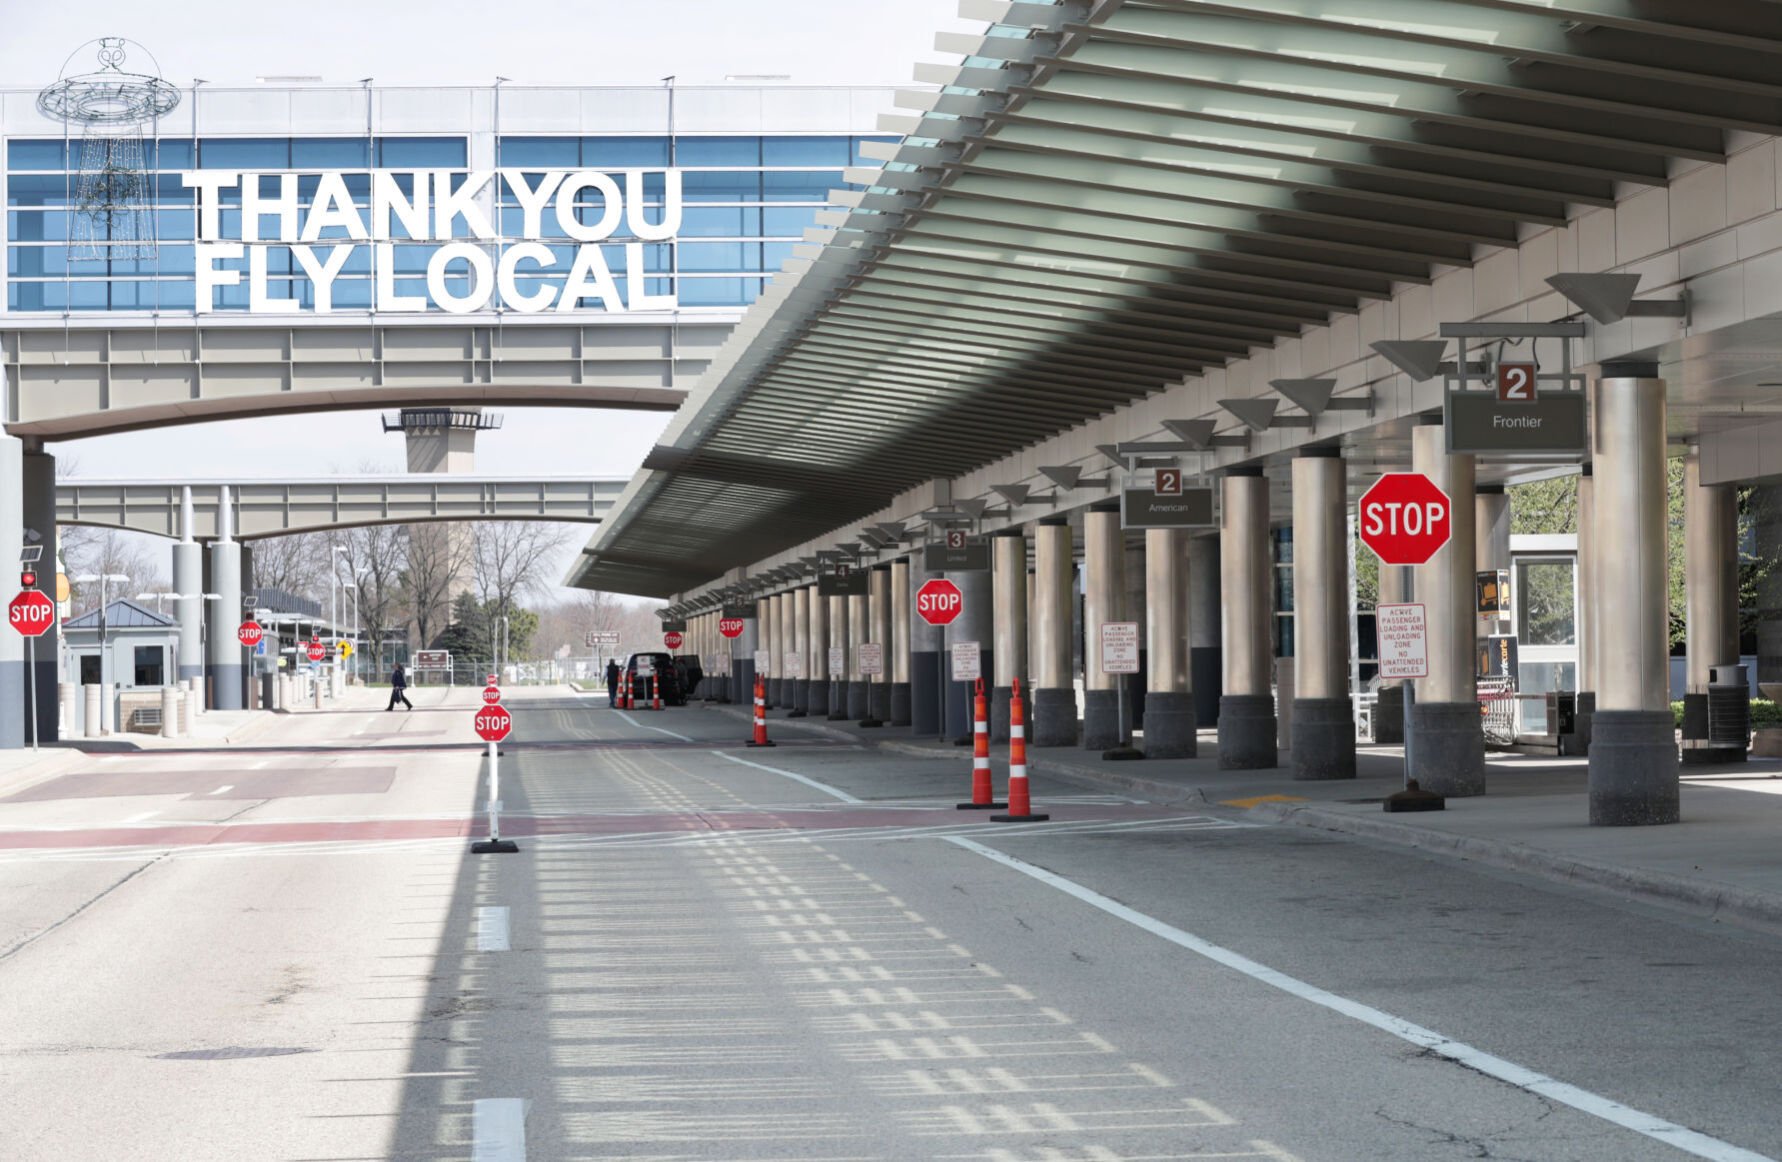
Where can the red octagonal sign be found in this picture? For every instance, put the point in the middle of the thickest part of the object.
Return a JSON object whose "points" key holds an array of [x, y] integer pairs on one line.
{"points": [[493, 723], [939, 601], [491, 695], [316, 651], [1405, 519], [31, 613], [730, 626], [673, 639], [249, 633]]}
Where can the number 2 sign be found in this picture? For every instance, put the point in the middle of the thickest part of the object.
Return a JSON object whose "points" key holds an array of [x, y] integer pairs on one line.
{"points": [[1516, 382]]}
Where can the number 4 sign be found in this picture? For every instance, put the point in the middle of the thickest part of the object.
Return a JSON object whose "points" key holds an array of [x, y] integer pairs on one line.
{"points": [[1516, 382]]}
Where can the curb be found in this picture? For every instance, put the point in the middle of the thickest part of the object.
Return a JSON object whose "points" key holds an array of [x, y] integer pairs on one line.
{"points": [[1703, 898], [748, 716]]}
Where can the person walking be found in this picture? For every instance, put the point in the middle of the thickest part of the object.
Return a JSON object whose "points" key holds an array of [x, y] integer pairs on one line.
{"points": [[398, 689], [612, 682]]}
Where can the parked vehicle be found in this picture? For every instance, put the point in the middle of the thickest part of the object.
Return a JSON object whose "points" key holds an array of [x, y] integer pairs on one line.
{"points": [[668, 680]]}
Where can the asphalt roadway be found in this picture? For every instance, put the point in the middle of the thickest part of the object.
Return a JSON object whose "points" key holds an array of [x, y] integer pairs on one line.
{"points": [[284, 950]]}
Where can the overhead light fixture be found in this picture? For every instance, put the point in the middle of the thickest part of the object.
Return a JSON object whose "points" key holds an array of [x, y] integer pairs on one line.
{"points": [[1199, 433], [1421, 359], [1609, 298], [1020, 494], [1069, 476], [1259, 414], [1317, 396]]}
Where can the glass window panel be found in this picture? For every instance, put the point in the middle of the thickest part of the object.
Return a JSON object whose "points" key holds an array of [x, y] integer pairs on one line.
{"points": [[1546, 608], [169, 153], [24, 154], [554, 152], [37, 190], [775, 254], [413, 259], [357, 184], [813, 151], [655, 257], [721, 186], [800, 185], [352, 293], [623, 152], [787, 221], [421, 152], [713, 292], [697, 151], [245, 153], [713, 256], [330, 153]]}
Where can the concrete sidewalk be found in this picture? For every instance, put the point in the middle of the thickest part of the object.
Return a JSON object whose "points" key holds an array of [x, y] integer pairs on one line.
{"points": [[1722, 862]]}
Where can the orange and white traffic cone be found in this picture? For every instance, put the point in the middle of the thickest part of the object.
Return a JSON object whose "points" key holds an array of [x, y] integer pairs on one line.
{"points": [[625, 694], [1020, 809], [982, 797], [760, 738], [655, 692]]}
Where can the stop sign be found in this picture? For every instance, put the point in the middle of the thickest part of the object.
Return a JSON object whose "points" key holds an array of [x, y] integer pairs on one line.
{"points": [[1405, 519], [939, 601], [673, 639], [248, 633], [493, 723], [730, 626], [491, 695], [31, 613], [316, 651]]}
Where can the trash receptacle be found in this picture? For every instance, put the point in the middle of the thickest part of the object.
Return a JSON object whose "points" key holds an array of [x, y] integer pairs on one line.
{"points": [[1562, 713], [1729, 713]]}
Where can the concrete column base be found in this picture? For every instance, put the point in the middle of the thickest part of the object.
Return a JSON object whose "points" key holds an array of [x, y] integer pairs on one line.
{"points": [[1169, 726], [1206, 674], [838, 700], [773, 693], [817, 701], [1448, 748], [1633, 768], [1101, 720], [227, 683], [925, 694], [1323, 739], [1389, 716], [857, 707], [1247, 732], [1578, 742], [900, 704], [878, 703], [1053, 718], [1000, 696]]}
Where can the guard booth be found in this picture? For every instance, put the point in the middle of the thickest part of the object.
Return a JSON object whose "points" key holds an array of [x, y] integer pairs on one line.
{"points": [[128, 646]]}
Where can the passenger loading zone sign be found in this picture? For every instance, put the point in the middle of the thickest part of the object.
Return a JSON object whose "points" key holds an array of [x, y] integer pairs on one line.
{"points": [[872, 659], [838, 662], [968, 665], [1404, 640], [1119, 647]]}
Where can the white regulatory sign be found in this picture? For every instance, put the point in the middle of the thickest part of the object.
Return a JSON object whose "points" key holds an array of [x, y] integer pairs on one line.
{"points": [[1119, 647], [1404, 640], [761, 659], [794, 667], [838, 663], [722, 660], [968, 663], [872, 659]]}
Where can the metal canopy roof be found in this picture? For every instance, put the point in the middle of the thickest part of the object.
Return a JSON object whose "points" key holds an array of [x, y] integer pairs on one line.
{"points": [[1108, 196]]}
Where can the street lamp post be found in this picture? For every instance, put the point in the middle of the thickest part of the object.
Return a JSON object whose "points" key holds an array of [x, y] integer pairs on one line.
{"points": [[203, 622], [354, 586]]}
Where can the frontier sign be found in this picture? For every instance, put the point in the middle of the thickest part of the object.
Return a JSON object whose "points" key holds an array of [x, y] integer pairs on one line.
{"points": [[476, 266]]}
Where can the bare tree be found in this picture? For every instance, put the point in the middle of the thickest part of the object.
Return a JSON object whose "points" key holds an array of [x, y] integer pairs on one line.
{"points": [[297, 564], [375, 558], [433, 562], [511, 557], [108, 552]]}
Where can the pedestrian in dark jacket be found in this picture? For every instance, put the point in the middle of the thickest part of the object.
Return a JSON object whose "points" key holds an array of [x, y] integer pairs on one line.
{"points": [[398, 688], [612, 682]]}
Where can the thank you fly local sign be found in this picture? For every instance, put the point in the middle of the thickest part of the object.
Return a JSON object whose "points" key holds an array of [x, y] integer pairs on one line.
{"points": [[470, 264]]}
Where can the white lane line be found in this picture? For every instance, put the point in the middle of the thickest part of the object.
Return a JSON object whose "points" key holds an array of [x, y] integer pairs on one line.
{"points": [[842, 795], [498, 1131], [259, 765], [224, 787], [141, 817], [492, 930], [1681, 1137], [657, 729]]}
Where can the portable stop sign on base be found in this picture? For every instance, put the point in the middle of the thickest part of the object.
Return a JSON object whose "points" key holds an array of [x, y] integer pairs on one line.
{"points": [[492, 724], [32, 613]]}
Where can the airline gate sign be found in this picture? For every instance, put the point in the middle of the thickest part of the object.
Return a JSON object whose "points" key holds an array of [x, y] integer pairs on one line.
{"points": [[1404, 640], [554, 225]]}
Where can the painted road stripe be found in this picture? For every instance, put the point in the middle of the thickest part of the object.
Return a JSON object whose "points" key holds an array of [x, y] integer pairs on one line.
{"points": [[1682, 1137], [657, 729], [498, 1132], [224, 787], [842, 795], [492, 930]]}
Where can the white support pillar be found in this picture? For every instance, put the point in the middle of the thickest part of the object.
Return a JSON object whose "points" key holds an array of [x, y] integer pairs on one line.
{"points": [[897, 653], [1323, 722], [1447, 742], [1104, 601], [1711, 594], [1008, 584], [1247, 705], [1169, 694], [1633, 752]]}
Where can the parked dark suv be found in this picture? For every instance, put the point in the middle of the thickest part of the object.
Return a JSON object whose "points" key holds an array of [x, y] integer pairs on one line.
{"points": [[668, 679]]}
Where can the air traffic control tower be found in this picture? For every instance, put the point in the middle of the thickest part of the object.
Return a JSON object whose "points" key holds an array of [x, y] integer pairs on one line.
{"points": [[443, 439]]}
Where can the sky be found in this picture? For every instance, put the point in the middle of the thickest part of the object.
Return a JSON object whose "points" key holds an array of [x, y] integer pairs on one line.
{"points": [[602, 42]]}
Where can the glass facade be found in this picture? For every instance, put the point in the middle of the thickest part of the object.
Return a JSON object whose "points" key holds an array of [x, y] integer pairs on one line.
{"points": [[747, 200]]}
